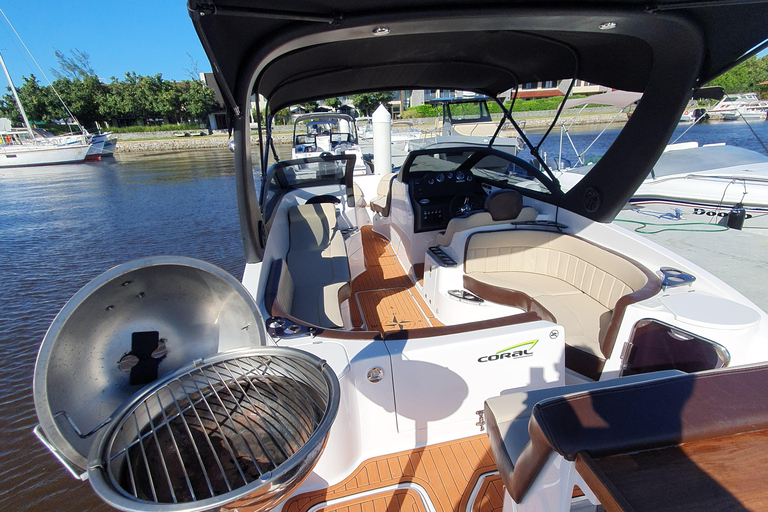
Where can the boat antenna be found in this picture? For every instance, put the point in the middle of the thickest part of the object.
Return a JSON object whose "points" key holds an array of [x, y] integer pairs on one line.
{"points": [[41, 71], [16, 97]]}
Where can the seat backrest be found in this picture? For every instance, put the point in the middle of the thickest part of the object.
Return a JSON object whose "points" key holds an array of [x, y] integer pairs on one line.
{"points": [[601, 274], [380, 204], [311, 226], [501, 207]]}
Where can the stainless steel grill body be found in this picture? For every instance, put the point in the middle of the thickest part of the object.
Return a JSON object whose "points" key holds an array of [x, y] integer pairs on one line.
{"points": [[196, 309], [246, 426]]}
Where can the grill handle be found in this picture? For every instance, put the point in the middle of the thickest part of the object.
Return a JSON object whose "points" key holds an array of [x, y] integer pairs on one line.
{"points": [[38, 431]]}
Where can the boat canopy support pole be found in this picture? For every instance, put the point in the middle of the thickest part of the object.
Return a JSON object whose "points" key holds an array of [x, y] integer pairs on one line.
{"points": [[251, 221], [534, 151], [602, 193]]}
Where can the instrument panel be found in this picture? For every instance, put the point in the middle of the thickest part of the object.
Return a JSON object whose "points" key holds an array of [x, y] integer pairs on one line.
{"points": [[438, 196]]}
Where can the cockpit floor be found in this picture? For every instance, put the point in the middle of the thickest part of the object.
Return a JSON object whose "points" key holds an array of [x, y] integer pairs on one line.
{"points": [[447, 473], [384, 298]]}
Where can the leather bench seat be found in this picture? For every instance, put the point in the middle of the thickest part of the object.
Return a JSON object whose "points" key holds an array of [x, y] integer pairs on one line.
{"points": [[313, 280], [563, 278], [507, 418], [622, 416]]}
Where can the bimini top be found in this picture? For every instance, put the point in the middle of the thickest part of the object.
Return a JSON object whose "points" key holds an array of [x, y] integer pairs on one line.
{"points": [[335, 46], [304, 50]]}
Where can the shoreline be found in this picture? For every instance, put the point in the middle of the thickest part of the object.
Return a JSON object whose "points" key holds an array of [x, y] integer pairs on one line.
{"points": [[157, 142]]}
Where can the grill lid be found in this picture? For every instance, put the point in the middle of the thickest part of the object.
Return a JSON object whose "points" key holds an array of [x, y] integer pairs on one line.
{"points": [[125, 329]]}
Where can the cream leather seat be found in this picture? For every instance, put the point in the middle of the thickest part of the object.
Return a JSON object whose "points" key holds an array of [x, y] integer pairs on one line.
{"points": [[380, 203], [577, 284], [501, 207], [315, 285]]}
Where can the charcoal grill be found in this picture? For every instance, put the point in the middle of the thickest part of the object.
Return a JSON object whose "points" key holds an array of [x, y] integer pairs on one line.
{"points": [[244, 427], [154, 383]]}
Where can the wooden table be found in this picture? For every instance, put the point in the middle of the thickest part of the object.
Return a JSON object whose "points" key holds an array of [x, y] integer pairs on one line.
{"points": [[727, 474]]}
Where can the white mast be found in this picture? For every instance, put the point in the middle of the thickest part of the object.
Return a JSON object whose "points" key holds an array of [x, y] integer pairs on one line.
{"points": [[16, 97]]}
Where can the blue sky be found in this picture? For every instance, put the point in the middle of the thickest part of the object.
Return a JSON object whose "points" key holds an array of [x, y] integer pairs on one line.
{"points": [[144, 36]]}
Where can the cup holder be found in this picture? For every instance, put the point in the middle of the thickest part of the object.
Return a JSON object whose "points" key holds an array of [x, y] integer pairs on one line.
{"points": [[280, 327], [465, 296], [672, 277]]}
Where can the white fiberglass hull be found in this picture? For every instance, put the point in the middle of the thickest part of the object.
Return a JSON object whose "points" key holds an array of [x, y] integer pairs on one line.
{"points": [[21, 156]]}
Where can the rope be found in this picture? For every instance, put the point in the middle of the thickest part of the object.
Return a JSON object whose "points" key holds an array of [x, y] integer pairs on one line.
{"points": [[710, 228], [42, 72]]}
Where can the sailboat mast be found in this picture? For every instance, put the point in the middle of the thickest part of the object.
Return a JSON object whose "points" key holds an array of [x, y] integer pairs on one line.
{"points": [[16, 97]]}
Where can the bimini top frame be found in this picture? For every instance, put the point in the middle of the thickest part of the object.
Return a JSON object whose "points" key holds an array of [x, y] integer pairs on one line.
{"points": [[325, 48]]}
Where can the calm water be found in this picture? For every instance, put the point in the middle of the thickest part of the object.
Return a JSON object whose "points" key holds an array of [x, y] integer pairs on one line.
{"points": [[62, 226]]}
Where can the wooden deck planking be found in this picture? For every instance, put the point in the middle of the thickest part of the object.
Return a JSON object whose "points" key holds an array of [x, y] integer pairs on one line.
{"points": [[448, 480], [386, 298]]}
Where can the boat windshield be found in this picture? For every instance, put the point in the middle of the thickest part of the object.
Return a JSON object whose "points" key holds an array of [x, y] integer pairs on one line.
{"points": [[305, 172], [467, 112], [491, 168]]}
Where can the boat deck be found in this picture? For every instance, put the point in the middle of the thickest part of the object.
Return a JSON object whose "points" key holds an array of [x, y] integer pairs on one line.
{"points": [[384, 298], [442, 477]]}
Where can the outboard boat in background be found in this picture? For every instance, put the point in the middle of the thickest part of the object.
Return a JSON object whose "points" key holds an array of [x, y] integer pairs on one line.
{"points": [[375, 338], [327, 134]]}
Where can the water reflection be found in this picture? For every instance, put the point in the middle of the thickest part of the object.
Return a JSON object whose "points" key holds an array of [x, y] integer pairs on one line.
{"points": [[61, 226]]}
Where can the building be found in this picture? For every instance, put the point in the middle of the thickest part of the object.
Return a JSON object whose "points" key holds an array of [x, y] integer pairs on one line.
{"points": [[218, 118]]}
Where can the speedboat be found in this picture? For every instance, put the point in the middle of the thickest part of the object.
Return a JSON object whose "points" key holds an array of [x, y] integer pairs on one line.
{"points": [[741, 106], [461, 334], [713, 183], [467, 119], [330, 133], [716, 183]]}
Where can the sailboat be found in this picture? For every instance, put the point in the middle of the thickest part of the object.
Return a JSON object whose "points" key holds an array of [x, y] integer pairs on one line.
{"points": [[24, 148]]}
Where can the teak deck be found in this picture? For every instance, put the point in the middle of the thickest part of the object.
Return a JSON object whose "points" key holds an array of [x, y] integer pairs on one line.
{"points": [[713, 474], [383, 297], [445, 474]]}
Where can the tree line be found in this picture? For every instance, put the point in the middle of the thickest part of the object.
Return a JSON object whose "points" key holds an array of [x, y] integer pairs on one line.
{"points": [[136, 99], [746, 77]]}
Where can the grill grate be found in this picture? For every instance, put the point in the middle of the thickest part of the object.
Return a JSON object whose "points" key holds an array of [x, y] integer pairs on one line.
{"points": [[217, 428]]}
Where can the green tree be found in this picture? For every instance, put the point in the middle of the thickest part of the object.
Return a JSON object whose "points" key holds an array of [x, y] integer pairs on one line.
{"points": [[283, 117], [39, 102], [746, 77], [334, 103], [309, 106], [76, 66], [367, 103], [82, 97], [197, 99]]}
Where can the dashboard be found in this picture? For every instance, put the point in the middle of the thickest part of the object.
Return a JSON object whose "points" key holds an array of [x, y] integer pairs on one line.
{"points": [[438, 196]]}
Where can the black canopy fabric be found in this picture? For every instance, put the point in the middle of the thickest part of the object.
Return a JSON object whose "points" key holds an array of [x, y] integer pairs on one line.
{"points": [[485, 47], [303, 50]]}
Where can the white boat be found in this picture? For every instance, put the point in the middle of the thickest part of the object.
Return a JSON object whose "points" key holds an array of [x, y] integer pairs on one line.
{"points": [[25, 148], [468, 120], [741, 106], [109, 145], [330, 133], [474, 338]]}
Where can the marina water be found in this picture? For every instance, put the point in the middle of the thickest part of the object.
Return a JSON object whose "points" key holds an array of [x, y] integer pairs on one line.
{"points": [[61, 226]]}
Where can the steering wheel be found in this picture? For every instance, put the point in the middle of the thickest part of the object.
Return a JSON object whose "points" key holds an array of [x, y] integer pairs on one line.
{"points": [[465, 203]]}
